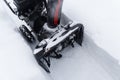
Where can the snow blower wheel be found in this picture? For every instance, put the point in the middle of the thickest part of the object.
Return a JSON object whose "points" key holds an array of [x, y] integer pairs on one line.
{"points": [[26, 34]]}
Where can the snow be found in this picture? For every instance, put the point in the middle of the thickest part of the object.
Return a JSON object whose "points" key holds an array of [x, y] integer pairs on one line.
{"points": [[101, 20], [97, 59], [88, 62]]}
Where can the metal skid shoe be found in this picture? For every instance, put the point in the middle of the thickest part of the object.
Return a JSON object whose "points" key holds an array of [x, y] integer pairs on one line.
{"points": [[44, 59], [79, 35], [49, 48], [26, 34]]}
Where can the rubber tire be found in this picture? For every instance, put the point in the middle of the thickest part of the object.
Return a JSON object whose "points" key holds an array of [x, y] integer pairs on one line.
{"points": [[25, 32]]}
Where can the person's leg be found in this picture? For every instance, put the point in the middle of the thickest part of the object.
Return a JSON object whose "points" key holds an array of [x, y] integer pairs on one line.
{"points": [[54, 12]]}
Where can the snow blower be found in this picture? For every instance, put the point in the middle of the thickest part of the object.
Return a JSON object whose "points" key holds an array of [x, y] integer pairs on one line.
{"points": [[47, 25]]}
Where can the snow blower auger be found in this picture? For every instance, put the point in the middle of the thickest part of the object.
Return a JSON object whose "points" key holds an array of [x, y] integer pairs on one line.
{"points": [[53, 30]]}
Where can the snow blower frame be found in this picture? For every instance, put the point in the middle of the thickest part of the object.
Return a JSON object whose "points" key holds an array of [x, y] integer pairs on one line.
{"points": [[52, 38]]}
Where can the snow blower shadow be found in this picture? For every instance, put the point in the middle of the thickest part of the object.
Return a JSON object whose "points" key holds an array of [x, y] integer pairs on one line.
{"points": [[89, 62]]}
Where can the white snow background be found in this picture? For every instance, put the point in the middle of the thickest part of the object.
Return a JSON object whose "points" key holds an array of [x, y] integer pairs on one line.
{"points": [[96, 60]]}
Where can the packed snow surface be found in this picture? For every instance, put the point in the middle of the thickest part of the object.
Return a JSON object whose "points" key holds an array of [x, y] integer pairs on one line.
{"points": [[97, 59]]}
